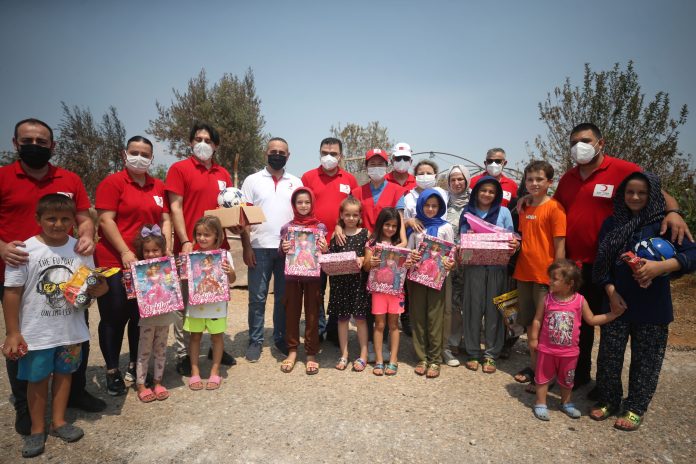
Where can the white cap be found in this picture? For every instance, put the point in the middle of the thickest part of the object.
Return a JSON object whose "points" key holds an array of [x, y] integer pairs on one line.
{"points": [[402, 149]]}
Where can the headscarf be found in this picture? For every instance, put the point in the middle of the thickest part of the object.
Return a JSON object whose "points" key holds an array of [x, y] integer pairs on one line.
{"points": [[626, 224], [472, 206], [457, 201], [299, 219], [431, 224]]}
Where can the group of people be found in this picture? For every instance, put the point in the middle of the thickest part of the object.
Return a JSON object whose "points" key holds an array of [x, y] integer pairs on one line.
{"points": [[566, 270]]}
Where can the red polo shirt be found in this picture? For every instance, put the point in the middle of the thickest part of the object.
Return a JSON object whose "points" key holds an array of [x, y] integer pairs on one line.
{"points": [[19, 194], [134, 206], [509, 187], [329, 192], [199, 188], [409, 185], [588, 203], [370, 210]]}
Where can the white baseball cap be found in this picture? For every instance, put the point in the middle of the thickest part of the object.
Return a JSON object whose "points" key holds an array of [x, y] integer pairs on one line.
{"points": [[402, 149]]}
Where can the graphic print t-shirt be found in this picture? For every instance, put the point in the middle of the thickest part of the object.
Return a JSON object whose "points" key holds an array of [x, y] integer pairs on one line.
{"points": [[560, 328], [46, 319]]}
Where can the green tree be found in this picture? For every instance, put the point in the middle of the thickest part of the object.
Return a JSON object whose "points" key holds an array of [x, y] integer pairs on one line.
{"points": [[89, 149], [230, 105], [357, 140]]}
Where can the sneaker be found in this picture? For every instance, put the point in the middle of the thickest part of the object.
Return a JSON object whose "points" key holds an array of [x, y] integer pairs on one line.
{"points": [[253, 352], [371, 356], [450, 359], [227, 359], [130, 373], [88, 402], [183, 366], [114, 384]]}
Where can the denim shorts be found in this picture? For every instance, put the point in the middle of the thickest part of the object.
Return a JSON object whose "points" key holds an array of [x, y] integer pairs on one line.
{"points": [[36, 365]]}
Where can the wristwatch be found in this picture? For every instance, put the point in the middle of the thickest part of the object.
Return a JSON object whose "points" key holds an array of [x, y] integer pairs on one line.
{"points": [[678, 211]]}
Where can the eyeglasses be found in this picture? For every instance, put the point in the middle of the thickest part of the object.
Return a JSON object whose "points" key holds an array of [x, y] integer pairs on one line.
{"points": [[402, 158], [276, 152], [495, 161]]}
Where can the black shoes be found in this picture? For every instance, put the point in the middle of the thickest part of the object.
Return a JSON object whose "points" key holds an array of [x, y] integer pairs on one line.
{"points": [[183, 366], [114, 383], [87, 402], [23, 422], [227, 359]]}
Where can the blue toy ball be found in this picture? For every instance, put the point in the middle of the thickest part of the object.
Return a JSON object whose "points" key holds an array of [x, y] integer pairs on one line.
{"points": [[655, 249]]}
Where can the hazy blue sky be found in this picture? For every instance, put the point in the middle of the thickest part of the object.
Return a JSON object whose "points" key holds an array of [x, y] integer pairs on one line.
{"points": [[451, 76]]}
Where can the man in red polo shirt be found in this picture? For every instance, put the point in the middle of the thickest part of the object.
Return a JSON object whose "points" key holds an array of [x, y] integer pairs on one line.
{"points": [[22, 183], [586, 193], [401, 158], [193, 186], [331, 185], [494, 163]]}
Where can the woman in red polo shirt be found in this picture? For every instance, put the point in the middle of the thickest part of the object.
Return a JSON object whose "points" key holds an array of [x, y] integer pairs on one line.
{"points": [[125, 201]]}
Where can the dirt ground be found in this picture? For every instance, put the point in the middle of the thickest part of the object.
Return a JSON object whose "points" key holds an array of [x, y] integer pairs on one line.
{"points": [[261, 415]]}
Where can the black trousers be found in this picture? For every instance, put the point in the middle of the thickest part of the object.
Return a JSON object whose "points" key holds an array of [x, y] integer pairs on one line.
{"points": [[115, 312], [594, 295]]}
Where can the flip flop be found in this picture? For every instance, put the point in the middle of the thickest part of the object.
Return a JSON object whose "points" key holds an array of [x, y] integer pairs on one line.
{"points": [[312, 367], [488, 366], [472, 364], [342, 364], [433, 371], [527, 375], [605, 409], [420, 368], [378, 370], [287, 366], [633, 419], [359, 365], [213, 383], [195, 383], [147, 396], [391, 369], [161, 393]]}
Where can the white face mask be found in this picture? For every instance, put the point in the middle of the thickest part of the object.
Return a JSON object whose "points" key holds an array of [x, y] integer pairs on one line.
{"points": [[582, 152], [494, 169], [137, 164], [425, 181], [329, 162], [401, 166], [203, 151], [377, 173]]}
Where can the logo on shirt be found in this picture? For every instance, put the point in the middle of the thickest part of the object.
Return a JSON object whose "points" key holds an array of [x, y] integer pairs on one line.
{"points": [[159, 201], [531, 216], [222, 185], [603, 191], [507, 195], [67, 194], [344, 188]]}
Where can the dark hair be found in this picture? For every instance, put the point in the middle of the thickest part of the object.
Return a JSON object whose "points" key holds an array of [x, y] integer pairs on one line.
{"points": [[332, 141], [570, 272], [139, 138], [387, 214], [214, 224], [140, 241], [33, 121], [426, 162], [214, 136], [587, 126], [55, 202], [350, 200], [278, 139], [539, 165]]}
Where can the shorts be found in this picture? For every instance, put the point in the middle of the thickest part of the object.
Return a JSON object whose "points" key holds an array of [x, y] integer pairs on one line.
{"points": [[387, 304], [36, 365], [198, 325], [550, 366], [528, 296]]}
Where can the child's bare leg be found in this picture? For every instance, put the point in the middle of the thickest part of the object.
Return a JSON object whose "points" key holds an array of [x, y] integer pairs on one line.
{"points": [[37, 394], [378, 337], [194, 352], [566, 394], [61, 392], [394, 338], [362, 337], [541, 391], [343, 337], [217, 342]]}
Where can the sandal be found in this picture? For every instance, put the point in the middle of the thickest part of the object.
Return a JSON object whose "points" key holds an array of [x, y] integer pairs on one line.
{"points": [[472, 364], [161, 393], [359, 365], [213, 383], [342, 364], [433, 371], [421, 367], [602, 411], [378, 369], [631, 419], [488, 366], [312, 367], [571, 411], [147, 396], [287, 366], [195, 383], [541, 412], [526, 375], [391, 369]]}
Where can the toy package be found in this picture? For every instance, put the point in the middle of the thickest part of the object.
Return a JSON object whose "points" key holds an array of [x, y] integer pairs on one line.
{"points": [[389, 276], [75, 290], [486, 248], [157, 286], [430, 270], [632, 260], [339, 263], [182, 266], [303, 258], [207, 282], [509, 307], [481, 226]]}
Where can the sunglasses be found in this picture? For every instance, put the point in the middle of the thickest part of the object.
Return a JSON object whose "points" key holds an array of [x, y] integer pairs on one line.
{"points": [[402, 158], [495, 161]]}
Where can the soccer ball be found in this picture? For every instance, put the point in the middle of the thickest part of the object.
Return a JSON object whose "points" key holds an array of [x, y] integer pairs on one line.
{"points": [[655, 249], [229, 197]]}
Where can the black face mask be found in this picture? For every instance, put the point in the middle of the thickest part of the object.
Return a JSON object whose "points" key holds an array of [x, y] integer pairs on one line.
{"points": [[277, 162], [34, 156]]}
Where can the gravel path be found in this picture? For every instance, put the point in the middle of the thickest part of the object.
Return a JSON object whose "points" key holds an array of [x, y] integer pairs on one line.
{"points": [[262, 415]]}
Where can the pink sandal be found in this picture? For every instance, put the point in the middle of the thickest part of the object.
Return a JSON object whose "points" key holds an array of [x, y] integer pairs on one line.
{"points": [[213, 382], [195, 383], [161, 393], [147, 396]]}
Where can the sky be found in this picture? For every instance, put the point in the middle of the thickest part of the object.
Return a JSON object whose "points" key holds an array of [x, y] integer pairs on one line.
{"points": [[452, 76]]}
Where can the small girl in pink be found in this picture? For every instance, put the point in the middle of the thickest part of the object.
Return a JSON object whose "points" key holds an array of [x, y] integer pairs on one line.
{"points": [[555, 335]]}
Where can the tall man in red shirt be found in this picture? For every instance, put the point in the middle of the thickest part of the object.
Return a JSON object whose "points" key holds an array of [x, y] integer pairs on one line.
{"points": [[494, 163], [331, 185], [22, 183]]}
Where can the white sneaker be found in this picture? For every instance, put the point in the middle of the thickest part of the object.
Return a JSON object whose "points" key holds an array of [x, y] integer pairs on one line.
{"points": [[450, 359], [371, 353]]}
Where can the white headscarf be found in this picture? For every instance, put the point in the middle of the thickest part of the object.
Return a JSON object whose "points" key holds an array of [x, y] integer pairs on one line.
{"points": [[457, 201]]}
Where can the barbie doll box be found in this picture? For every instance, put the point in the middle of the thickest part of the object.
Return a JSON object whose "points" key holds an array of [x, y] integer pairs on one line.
{"points": [[430, 270], [339, 263], [207, 282], [388, 277], [486, 249], [303, 258], [156, 285]]}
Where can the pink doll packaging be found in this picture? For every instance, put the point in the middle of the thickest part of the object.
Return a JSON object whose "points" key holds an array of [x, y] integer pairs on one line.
{"points": [[339, 263], [303, 258], [486, 249], [389, 276], [156, 285], [430, 270], [207, 282]]}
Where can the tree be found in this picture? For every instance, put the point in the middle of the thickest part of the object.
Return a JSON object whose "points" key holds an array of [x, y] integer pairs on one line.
{"points": [[90, 150], [357, 140], [230, 106], [7, 157]]}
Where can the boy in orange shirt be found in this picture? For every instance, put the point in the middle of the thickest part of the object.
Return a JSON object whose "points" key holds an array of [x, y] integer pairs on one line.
{"points": [[543, 229]]}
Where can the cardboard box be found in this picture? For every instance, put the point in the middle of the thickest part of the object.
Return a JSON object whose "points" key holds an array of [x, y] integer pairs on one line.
{"points": [[238, 215], [339, 263]]}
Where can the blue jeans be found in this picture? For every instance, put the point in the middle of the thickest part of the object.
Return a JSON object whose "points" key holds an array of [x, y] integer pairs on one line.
{"points": [[268, 262]]}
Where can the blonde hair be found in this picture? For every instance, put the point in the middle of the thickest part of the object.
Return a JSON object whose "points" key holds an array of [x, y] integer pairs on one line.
{"points": [[350, 200]]}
